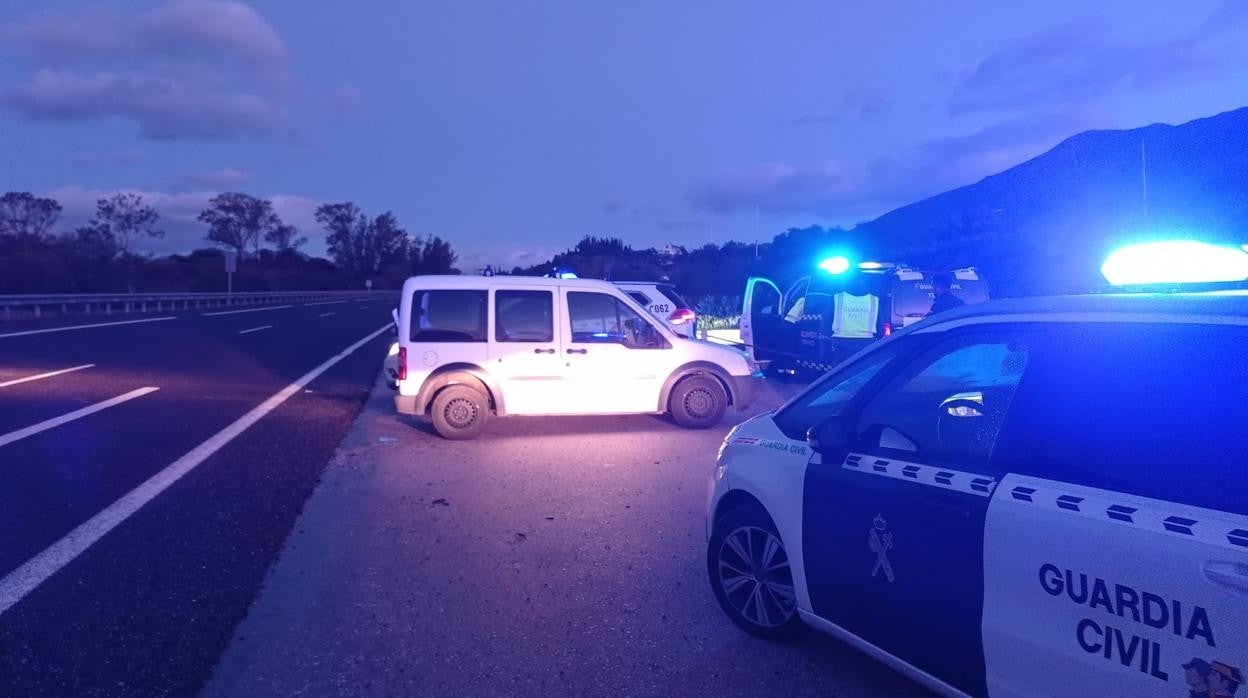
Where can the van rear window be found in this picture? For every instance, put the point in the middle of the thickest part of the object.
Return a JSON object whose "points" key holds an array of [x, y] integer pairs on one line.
{"points": [[449, 316], [914, 298]]}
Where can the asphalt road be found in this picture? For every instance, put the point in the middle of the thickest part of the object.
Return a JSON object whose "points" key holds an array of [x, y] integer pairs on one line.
{"points": [[548, 557], [122, 570]]}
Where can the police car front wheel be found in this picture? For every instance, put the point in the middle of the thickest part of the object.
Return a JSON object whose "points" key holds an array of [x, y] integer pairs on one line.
{"points": [[698, 402], [750, 575]]}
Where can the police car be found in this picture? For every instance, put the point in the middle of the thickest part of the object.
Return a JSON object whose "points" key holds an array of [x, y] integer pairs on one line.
{"points": [[841, 307], [661, 300], [1039, 497]]}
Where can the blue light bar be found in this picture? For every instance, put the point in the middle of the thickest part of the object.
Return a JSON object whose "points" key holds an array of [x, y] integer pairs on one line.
{"points": [[1175, 262], [835, 265]]}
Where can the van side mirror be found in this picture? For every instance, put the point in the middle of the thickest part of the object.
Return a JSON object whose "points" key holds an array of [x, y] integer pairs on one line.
{"points": [[828, 436]]}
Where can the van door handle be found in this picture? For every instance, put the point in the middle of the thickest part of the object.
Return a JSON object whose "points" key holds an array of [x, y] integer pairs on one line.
{"points": [[578, 351], [1228, 574], [543, 351]]}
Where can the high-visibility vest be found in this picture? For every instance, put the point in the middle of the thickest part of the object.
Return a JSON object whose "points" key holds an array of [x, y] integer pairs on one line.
{"points": [[854, 316]]}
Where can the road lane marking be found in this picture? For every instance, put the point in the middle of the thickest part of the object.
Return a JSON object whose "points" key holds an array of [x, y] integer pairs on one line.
{"points": [[325, 303], [249, 310], [363, 307], [41, 376], [326, 314], [256, 329], [83, 327], [45, 425], [35, 571]]}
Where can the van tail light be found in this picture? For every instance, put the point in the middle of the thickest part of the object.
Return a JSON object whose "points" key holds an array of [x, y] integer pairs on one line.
{"points": [[888, 329], [402, 368], [681, 316]]}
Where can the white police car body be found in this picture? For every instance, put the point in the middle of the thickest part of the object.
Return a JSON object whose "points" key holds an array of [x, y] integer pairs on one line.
{"points": [[473, 346], [1027, 497]]}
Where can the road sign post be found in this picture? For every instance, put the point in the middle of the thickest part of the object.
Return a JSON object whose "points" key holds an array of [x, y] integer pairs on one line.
{"points": [[231, 266], [368, 284]]}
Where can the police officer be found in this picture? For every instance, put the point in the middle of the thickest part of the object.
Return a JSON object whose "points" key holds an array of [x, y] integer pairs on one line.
{"points": [[943, 298]]}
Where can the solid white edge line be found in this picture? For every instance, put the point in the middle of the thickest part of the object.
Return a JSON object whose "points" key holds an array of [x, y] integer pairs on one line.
{"points": [[83, 327], [41, 376], [249, 310], [35, 571], [325, 303], [256, 329], [326, 314], [6, 439]]}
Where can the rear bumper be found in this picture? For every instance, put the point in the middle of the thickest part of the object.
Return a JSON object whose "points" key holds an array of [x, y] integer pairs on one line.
{"points": [[745, 389], [406, 404]]}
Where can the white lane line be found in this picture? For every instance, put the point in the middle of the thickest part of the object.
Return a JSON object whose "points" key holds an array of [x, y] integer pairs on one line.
{"points": [[363, 307], [83, 327], [35, 571], [249, 310], [325, 303], [12, 436], [41, 376], [256, 329], [326, 314]]}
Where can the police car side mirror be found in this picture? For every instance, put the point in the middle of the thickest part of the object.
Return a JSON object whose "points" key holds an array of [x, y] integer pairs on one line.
{"points": [[827, 436]]}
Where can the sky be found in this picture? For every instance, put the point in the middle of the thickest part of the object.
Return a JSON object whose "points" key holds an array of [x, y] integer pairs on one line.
{"points": [[514, 129]]}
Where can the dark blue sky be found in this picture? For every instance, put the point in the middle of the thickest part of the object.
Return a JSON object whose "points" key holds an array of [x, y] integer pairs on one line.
{"points": [[513, 129]]}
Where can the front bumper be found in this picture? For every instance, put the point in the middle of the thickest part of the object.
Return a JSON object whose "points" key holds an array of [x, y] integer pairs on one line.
{"points": [[745, 389]]}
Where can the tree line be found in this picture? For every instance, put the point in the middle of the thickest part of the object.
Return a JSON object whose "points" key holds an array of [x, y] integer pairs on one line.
{"points": [[103, 254]]}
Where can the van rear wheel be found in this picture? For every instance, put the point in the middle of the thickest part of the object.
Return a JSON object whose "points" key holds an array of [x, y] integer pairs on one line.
{"points": [[698, 402], [459, 412]]}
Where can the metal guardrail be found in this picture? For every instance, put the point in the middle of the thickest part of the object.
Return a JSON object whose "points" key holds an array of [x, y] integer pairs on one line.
{"points": [[37, 306]]}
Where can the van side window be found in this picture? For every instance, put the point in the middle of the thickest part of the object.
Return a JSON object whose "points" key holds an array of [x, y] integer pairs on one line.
{"points": [[524, 316], [1145, 409], [641, 298], [598, 318], [449, 316], [950, 403]]}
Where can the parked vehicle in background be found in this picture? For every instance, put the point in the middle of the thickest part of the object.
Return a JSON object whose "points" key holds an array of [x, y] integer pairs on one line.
{"points": [[472, 347], [661, 300], [827, 316]]}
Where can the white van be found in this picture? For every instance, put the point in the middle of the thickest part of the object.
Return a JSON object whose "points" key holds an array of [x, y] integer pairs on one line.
{"points": [[472, 346]]}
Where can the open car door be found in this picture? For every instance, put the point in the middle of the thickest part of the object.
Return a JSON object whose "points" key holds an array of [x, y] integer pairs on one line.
{"points": [[761, 317]]}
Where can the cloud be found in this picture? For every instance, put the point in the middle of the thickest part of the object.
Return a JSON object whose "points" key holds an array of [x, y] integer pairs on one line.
{"points": [[813, 120], [165, 108], [347, 103], [224, 26], [226, 178], [186, 70], [868, 104], [179, 212], [838, 191], [1077, 64], [91, 158]]}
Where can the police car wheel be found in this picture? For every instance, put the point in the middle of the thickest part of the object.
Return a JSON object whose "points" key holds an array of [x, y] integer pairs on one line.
{"points": [[698, 402], [750, 575], [459, 412]]}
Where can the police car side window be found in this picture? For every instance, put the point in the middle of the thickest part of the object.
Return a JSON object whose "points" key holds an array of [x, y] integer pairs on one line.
{"points": [[832, 394], [1145, 409], [448, 316], [598, 318], [950, 403]]}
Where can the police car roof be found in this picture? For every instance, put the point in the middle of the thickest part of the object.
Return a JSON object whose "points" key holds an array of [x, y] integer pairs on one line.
{"points": [[1217, 303], [452, 281]]}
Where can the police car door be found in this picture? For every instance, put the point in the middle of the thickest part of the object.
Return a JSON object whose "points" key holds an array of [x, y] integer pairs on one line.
{"points": [[760, 318], [893, 534], [1116, 551]]}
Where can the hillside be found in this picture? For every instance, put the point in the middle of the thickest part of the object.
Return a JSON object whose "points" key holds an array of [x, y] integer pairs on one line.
{"points": [[1045, 225]]}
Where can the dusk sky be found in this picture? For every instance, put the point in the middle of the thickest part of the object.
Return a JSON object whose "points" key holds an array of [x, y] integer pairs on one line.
{"points": [[513, 129]]}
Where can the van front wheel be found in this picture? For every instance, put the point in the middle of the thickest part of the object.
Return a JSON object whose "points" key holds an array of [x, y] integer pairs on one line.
{"points": [[460, 412], [698, 402]]}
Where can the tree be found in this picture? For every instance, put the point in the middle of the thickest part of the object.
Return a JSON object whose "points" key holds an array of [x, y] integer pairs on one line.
{"points": [[285, 239], [434, 257], [122, 219], [25, 216], [346, 227], [239, 221]]}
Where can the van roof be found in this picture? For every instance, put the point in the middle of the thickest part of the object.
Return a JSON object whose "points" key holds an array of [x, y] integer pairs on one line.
{"points": [[451, 281]]}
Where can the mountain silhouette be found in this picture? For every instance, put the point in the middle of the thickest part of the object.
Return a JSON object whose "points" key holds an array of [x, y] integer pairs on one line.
{"points": [[1045, 225]]}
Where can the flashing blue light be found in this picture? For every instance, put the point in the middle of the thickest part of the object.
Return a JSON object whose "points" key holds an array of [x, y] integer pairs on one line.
{"points": [[872, 265], [568, 275], [835, 265], [601, 335], [1175, 262]]}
